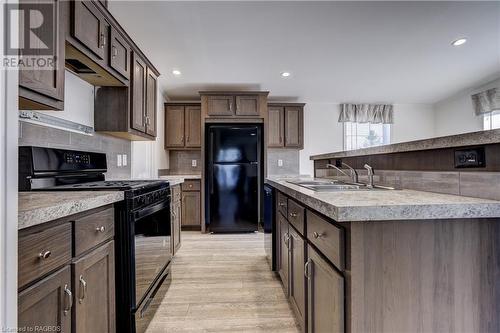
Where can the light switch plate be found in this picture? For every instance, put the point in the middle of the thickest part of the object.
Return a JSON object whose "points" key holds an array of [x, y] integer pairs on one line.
{"points": [[124, 159], [280, 163], [119, 160], [194, 163]]}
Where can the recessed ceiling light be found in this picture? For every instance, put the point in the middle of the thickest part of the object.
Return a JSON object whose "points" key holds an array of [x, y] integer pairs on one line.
{"points": [[285, 74], [176, 72], [458, 42]]}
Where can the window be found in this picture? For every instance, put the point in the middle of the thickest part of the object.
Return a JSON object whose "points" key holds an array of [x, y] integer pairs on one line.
{"points": [[364, 135], [491, 121]]}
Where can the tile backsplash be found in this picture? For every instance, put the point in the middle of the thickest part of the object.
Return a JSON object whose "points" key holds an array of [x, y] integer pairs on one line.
{"points": [[289, 159], [181, 163], [38, 135]]}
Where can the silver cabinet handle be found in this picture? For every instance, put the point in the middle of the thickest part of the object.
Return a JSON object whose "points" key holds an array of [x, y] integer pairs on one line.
{"points": [[317, 235], [83, 289], [230, 106], [100, 229], [293, 214], [115, 51], [286, 238], [44, 254], [282, 204], [69, 300], [306, 269], [102, 41]]}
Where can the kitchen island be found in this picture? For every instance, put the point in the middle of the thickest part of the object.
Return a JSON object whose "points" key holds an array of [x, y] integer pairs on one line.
{"points": [[388, 260]]}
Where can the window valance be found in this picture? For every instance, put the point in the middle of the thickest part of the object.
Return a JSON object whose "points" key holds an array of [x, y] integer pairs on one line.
{"points": [[366, 113]]}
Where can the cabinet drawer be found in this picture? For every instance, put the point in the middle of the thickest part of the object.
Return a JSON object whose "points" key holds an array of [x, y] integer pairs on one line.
{"points": [[296, 215], [328, 238], [94, 229], [42, 252], [191, 185], [282, 204]]}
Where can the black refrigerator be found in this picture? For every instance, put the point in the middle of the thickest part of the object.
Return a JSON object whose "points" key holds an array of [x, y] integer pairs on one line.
{"points": [[234, 176]]}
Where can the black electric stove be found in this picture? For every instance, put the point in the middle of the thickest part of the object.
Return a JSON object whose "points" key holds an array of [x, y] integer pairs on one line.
{"points": [[142, 224]]}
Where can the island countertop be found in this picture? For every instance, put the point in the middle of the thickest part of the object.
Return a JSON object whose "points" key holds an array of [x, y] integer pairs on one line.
{"points": [[39, 207], [387, 205]]}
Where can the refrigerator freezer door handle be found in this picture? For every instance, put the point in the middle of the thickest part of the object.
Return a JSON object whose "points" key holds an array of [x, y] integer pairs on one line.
{"points": [[211, 164]]}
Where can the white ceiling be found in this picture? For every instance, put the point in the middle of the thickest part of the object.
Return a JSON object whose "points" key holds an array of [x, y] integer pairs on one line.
{"points": [[395, 52]]}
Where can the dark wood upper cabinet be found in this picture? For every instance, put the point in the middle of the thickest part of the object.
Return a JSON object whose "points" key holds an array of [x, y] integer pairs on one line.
{"points": [[182, 125], [47, 303], [294, 127], [286, 125], [174, 126], [325, 295], [276, 126], [43, 89], [247, 105], [193, 126], [138, 103], [151, 96], [90, 27], [220, 105], [119, 55], [93, 281]]}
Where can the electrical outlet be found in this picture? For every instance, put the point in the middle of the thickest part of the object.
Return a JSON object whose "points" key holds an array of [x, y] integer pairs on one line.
{"points": [[280, 163], [194, 163], [124, 160], [119, 160]]}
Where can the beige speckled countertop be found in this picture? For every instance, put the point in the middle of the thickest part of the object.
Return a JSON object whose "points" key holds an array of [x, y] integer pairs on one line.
{"points": [[178, 179], [384, 205], [39, 207]]}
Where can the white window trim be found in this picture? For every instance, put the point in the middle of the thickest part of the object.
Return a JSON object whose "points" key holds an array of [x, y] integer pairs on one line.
{"points": [[391, 132]]}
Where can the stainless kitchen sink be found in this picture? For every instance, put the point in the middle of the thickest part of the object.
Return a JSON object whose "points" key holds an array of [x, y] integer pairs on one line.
{"points": [[335, 185]]}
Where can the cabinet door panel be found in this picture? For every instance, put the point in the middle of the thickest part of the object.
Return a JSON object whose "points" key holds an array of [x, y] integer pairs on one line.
{"points": [[276, 125], [119, 56], [284, 251], [138, 94], [47, 303], [177, 226], [174, 126], [294, 127], [325, 296], [297, 279], [94, 283], [46, 82], [193, 126], [191, 214], [89, 27], [151, 95], [220, 105], [247, 105]]}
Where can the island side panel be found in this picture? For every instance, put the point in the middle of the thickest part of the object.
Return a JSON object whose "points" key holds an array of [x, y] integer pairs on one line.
{"points": [[423, 276]]}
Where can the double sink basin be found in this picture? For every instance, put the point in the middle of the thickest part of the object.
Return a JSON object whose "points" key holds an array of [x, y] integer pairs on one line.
{"points": [[323, 185]]}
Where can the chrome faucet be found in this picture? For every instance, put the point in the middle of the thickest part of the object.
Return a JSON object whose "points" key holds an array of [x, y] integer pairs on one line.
{"points": [[353, 175], [370, 175]]}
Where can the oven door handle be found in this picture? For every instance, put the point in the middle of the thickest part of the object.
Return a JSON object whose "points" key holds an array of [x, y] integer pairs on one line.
{"points": [[139, 214]]}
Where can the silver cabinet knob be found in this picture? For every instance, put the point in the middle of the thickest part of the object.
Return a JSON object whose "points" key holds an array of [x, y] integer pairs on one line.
{"points": [[100, 229], [317, 235], [44, 254], [293, 214]]}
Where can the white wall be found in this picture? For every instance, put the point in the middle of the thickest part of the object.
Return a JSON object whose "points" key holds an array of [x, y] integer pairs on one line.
{"points": [[324, 134], [78, 101], [455, 115], [8, 190], [149, 156]]}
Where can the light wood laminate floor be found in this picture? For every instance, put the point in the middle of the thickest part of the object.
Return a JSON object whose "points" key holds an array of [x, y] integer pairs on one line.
{"points": [[223, 283]]}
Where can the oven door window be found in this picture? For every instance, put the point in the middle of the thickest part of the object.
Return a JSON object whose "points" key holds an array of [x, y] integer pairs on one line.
{"points": [[152, 246]]}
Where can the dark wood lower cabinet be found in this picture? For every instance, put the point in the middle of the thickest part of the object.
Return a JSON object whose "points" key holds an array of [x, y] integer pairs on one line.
{"points": [[325, 290], [47, 303], [191, 208], [284, 238], [94, 283], [297, 292], [176, 216]]}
